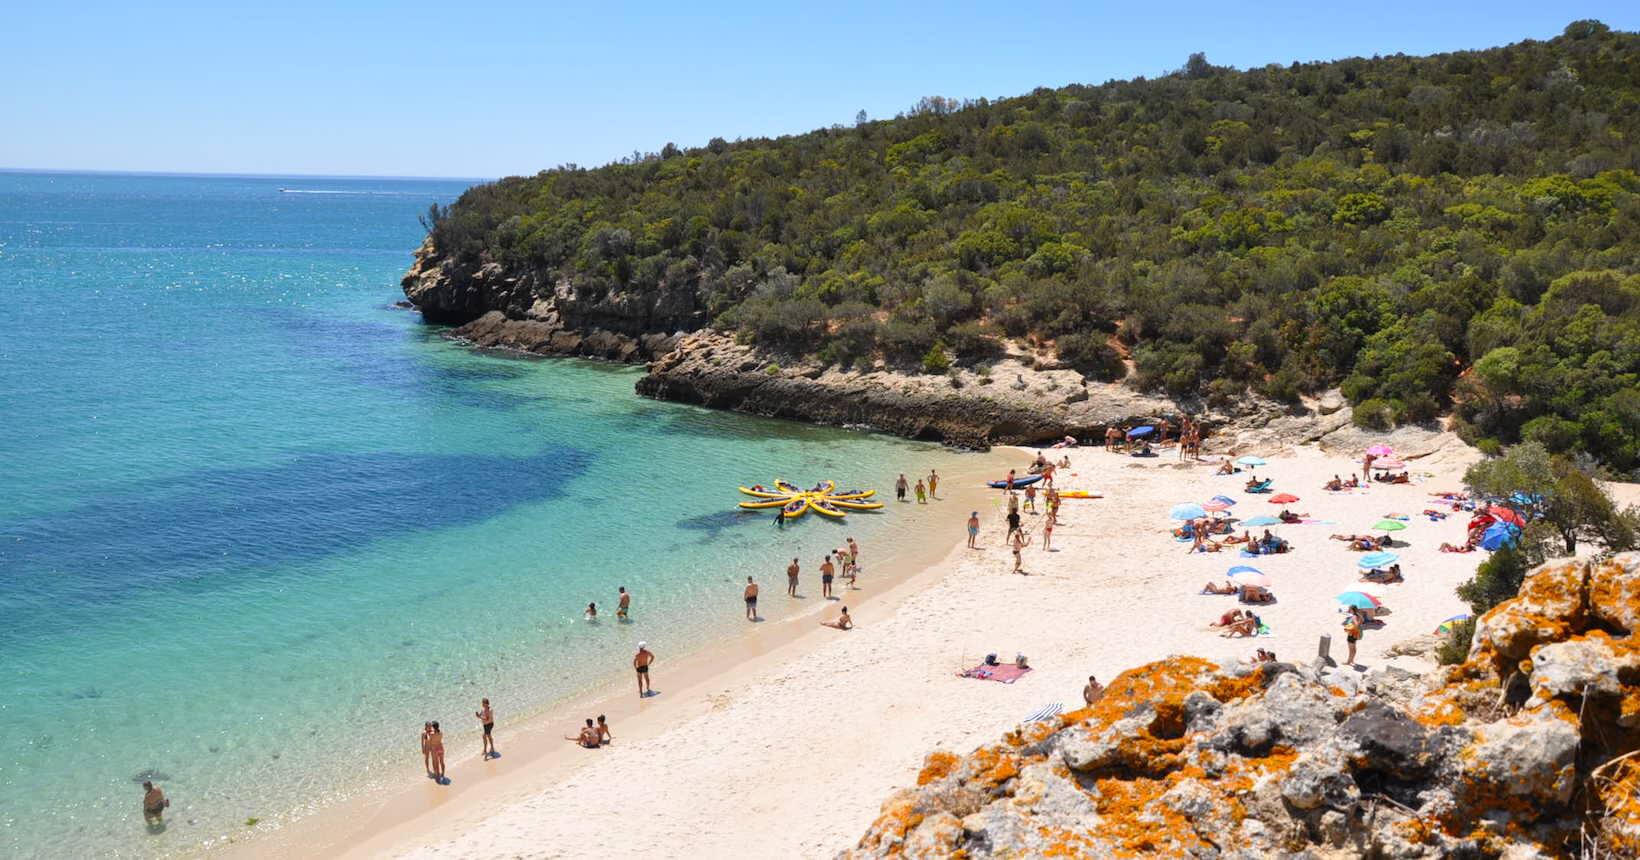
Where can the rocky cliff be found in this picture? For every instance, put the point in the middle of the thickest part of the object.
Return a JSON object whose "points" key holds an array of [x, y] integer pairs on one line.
{"points": [[1526, 749]]}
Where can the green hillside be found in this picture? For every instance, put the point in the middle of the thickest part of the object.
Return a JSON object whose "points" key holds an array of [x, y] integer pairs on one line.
{"points": [[1457, 232]]}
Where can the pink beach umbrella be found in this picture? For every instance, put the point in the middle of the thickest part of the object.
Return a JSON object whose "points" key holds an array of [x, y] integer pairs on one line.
{"points": [[1215, 507], [1380, 450]]}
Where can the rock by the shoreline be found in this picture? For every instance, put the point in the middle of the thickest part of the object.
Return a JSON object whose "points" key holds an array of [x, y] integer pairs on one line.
{"points": [[1290, 763]]}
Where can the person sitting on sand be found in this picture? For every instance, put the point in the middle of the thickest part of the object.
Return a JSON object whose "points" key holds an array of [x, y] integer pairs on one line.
{"points": [[1246, 627], [1039, 463], [1226, 468], [1065, 462], [1227, 588], [843, 622], [1092, 691], [1229, 618], [1334, 485], [1388, 576], [1256, 594], [1263, 656], [1203, 543], [1289, 517], [1270, 544], [1253, 483], [588, 736]]}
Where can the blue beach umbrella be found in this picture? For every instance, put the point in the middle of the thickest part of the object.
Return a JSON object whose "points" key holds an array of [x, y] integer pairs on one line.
{"points": [[1187, 511], [1242, 568], [1373, 560], [1262, 521], [1223, 500], [1140, 431], [1250, 460], [1499, 535], [1359, 600]]}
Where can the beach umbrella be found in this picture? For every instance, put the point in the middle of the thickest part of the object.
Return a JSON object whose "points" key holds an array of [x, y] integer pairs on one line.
{"points": [[1215, 507], [1140, 431], [1380, 450], [1508, 515], [1261, 521], [1225, 500], [1283, 499], [1446, 626], [1359, 600], [1248, 576], [1389, 464], [1242, 568], [1374, 560], [1250, 460], [1499, 535], [1388, 526], [1187, 511]]}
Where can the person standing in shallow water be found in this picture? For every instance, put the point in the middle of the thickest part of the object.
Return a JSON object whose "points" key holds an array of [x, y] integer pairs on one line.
{"points": [[640, 663], [154, 803], [486, 718], [900, 485], [933, 483], [435, 742], [922, 493], [626, 604], [751, 599], [827, 571], [791, 578]]}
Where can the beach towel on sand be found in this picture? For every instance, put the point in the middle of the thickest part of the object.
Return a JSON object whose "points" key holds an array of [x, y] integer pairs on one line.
{"points": [[1005, 673]]}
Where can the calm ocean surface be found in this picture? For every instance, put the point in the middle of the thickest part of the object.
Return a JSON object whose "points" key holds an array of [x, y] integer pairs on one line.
{"points": [[256, 525]]}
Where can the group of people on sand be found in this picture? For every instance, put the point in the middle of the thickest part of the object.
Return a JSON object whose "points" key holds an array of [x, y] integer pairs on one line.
{"points": [[1138, 444], [925, 488], [592, 735], [1017, 537], [1239, 624], [1338, 485]]}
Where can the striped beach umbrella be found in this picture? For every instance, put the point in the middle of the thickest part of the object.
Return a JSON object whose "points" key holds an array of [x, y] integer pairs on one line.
{"points": [[1447, 625], [1359, 600]]}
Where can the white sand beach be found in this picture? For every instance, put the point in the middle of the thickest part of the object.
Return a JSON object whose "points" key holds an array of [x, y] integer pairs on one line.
{"points": [[791, 754]]}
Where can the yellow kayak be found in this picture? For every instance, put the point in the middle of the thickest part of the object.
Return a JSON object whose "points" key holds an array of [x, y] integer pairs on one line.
{"points": [[765, 503], [854, 494], [762, 493], [852, 505], [824, 508], [1079, 494], [796, 509]]}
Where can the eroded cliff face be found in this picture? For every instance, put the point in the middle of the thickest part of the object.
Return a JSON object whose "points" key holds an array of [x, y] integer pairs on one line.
{"points": [[495, 307], [1526, 749]]}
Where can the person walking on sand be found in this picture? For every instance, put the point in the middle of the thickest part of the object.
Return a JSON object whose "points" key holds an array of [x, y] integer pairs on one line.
{"points": [[640, 662], [427, 747], [827, 571], [900, 486], [154, 803], [1047, 534], [751, 599], [791, 578], [1019, 540], [922, 493], [1366, 466], [486, 718], [933, 483], [1013, 525], [1030, 498], [435, 742], [853, 552], [625, 604], [973, 528], [1352, 634]]}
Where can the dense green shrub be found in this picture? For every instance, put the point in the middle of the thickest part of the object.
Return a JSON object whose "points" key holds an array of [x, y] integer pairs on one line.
{"points": [[1382, 225], [1090, 353]]}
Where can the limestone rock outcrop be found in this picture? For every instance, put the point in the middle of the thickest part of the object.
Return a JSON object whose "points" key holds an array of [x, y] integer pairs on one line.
{"points": [[1186, 758]]}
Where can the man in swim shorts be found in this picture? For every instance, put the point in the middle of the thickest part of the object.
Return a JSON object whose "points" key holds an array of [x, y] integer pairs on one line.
{"points": [[640, 662], [791, 578], [486, 718], [751, 600], [973, 528], [827, 570], [154, 803], [626, 603], [900, 486]]}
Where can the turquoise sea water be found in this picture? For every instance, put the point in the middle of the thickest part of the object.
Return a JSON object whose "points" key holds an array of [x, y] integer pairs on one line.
{"points": [[257, 525]]}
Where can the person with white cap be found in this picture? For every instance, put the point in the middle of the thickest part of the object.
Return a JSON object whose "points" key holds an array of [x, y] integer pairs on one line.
{"points": [[640, 662]]}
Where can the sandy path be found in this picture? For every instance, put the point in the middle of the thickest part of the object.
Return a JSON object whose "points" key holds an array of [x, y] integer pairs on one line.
{"points": [[793, 757]]}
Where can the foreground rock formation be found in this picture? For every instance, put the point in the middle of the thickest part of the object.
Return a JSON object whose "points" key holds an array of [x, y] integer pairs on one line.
{"points": [[1526, 749]]}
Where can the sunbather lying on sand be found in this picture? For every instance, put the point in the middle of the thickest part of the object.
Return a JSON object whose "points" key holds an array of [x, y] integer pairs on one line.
{"points": [[1289, 517], [1364, 543], [1244, 537], [1387, 577], [1263, 656], [1232, 617], [1446, 547], [1227, 588], [1256, 594]]}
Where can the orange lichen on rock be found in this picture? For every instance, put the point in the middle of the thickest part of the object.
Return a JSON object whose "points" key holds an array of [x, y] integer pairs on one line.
{"points": [[938, 765]]}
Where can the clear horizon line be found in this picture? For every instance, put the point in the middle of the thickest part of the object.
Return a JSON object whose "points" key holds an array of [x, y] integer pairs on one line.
{"points": [[236, 175]]}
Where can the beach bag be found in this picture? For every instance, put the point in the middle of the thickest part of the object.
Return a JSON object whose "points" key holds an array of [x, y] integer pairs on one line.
{"points": [[1021, 662], [990, 659]]}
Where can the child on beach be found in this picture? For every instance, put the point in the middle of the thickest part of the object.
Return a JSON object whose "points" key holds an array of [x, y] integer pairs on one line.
{"points": [[973, 528], [922, 493]]}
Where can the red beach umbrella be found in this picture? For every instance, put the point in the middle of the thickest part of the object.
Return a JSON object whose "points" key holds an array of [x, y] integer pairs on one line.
{"points": [[1508, 515], [1283, 499]]}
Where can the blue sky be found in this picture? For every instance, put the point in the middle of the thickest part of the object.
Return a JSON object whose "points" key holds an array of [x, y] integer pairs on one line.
{"points": [[485, 89]]}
